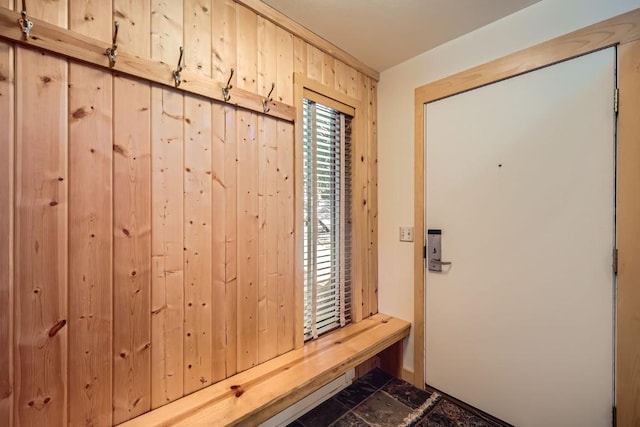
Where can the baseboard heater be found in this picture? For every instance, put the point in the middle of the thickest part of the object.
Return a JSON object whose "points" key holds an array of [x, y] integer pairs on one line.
{"points": [[308, 403]]}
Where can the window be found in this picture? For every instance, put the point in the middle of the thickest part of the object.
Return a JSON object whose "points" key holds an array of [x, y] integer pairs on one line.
{"points": [[327, 218]]}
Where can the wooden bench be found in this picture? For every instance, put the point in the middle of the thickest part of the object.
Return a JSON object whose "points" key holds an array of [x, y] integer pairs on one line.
{"points": [[255, 395]]}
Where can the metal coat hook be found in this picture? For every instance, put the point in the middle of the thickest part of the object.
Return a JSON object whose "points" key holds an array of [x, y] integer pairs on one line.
{"points": [[176, 73], [268, 99], [112, 52], [225, 90], [24, 22]]}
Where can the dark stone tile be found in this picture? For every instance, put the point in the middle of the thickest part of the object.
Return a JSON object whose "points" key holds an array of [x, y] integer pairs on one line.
{"points": [[382, 410], [324, 414], [295, 424], [377, 378], [350, 420], [447, 414], [355, 393], [406, 393]]}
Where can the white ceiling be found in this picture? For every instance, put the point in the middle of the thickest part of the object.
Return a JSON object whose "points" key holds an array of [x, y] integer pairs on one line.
{"points": [[384, 33]]}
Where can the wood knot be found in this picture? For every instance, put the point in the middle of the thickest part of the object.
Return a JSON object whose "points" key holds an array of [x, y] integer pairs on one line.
{"points": [[56, 328]]}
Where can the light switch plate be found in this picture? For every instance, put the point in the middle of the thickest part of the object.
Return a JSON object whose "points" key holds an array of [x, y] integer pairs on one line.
{"points": [[406, 234]]}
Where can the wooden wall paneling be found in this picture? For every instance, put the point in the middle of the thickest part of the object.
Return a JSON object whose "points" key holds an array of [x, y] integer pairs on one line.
{"points": [[41, 255], [360, 235], [341, 77], [90, 238], [370, 104], [223, 41], [223, 48], [218, 244], [134, 17], [354, 84], [315, 63], [284, 63], [197, 237], [167, 292], [132, 220], [167, 233], [247, 236], [197, 36], [248, 227], [328, 71], [628, 320], [131, 249], [197, 203], [267, 200], [299, 58], [41, 231], [7, 140], [289, 292], [231, 238]]}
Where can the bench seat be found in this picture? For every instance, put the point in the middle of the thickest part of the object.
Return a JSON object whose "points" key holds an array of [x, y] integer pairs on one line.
{"points": [[255, 395]]}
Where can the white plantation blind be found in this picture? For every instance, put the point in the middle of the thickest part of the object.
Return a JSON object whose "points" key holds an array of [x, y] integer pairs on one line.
{"points": [[327, 218]]}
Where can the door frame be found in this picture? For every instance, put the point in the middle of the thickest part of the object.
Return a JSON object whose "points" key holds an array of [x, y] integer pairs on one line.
{"points": [[622, 31]]}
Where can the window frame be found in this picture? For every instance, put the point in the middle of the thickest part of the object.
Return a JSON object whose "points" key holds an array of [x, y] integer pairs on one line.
{"points": [[313, 90]]}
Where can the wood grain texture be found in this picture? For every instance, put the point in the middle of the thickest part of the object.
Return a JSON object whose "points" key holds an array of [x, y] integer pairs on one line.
{"points": [[247, 235], [197, 36], [90, 237], [75, 46], [7, 140], [289, 293], [197, 244], [41, 255], [270, 387], [370, 102], [218, 244], [284, 64], [308, 36], [231, 239], [131, 249], [167, 213], [134, 34], [223, 41], [628, 212], [315, 59], [167, 278], [247, 49], [90, 245]]}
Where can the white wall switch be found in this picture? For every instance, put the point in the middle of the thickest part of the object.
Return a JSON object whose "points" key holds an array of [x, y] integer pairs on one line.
{"points": [[406, 234]]}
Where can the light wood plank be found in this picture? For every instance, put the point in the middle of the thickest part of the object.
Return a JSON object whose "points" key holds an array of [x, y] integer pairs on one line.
{"points": [[267, 200], [341, 77], [90, 245], [247, 235], [131, 249], [354, 83], [231, 239], [41, 255], [628, 213], [268, 239], [197, 243], [308, 36], [223, 41], [289, 291], [299, 58], [256, 394], [315, 59], [197, 31], [247, 52], [90, 211], [167, 224], [52, 38], [7, 140], [284, 79], [372, 134], [167, 292], [328, 71], [218, 245], [134, 34]]}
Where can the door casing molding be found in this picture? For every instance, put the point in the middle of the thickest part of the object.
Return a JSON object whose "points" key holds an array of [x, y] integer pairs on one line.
{"points": [[622, 31]]}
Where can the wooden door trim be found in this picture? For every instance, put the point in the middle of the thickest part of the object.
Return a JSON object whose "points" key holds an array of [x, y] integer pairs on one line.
{"points": [[622, 31]]}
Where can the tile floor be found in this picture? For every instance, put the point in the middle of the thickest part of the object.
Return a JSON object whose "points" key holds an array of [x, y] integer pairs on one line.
{"points": [[377, 399]]}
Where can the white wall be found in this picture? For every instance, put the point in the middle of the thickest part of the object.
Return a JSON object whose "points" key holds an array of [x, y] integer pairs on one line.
{"points": [[535, 24]]}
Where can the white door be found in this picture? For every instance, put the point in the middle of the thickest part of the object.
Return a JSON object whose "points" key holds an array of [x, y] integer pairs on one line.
{"points": [[520, 179]]}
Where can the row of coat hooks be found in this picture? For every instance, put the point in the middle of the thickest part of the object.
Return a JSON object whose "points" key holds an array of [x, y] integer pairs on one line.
{"points": [[112, 53]]}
